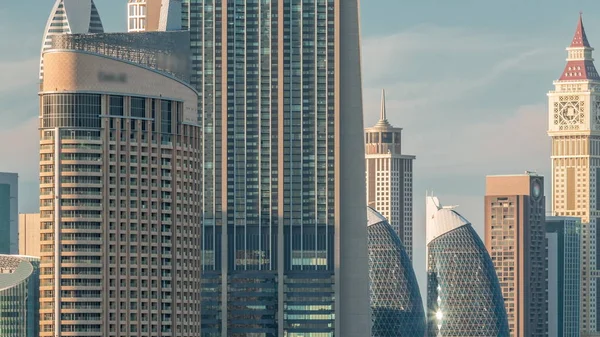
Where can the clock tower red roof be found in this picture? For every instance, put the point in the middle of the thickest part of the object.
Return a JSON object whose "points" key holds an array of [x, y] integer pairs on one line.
{"points": [[580, 64], [580, 39]]}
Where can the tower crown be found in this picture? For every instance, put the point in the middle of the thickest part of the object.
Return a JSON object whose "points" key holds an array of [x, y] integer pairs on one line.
{"points": [[580, 64]]}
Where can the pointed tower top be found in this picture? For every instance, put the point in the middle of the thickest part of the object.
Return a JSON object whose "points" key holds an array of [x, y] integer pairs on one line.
{"points": [[580, 63], [580, 39], [383, 122], [383, 112]]}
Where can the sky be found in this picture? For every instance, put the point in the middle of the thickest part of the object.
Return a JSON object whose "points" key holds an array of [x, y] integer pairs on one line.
{"points": [[466, 79]]}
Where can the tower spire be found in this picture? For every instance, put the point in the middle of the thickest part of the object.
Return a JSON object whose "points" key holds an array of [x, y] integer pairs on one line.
{"points": [[383, 116], [580, 64], [580, 38]]}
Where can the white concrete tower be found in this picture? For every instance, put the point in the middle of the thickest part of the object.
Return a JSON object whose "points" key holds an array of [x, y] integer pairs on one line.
{"points": [[574, 125], [390, 176]]}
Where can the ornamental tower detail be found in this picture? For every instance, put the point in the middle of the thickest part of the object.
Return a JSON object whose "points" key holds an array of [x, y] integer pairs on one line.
{"points": [[574, 126]]}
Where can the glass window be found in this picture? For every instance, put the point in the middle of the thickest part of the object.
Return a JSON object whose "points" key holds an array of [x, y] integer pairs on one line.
{"points": [[138, 107], [116, 106]]}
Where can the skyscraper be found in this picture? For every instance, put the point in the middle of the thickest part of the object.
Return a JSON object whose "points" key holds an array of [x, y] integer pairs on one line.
{"points": [[119, 193], [70, 17], [29, 234], [395, 297], [564, 275], [464, 297], [574, 126], [19, 296], [515, 237], [283, 194], [154, 15], [390, 176], [9, 213]]}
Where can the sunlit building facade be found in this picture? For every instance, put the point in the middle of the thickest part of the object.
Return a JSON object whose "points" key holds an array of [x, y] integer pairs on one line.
{"points": [[397, 308], [390, 176], [515, 236], [19, 296], [574, 127], [29, 234], [154, 15], [464, 297], [70, 17], [284, 236], [119, 193]]}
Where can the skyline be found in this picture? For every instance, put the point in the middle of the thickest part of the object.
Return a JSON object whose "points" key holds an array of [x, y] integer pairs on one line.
{"points": [[491, 80]]}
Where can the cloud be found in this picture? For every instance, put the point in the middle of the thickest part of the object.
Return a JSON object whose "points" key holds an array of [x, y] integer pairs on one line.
{"points": [[445, 74], [514, 137], [19, 150], [20, 73]]}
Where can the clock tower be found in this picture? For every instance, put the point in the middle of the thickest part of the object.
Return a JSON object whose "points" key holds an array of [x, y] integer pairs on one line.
{"points": [[574, 126]]}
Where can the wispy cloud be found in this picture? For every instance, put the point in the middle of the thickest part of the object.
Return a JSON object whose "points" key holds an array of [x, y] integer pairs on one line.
{"points": [[429, 71], [19, 73], [19, 151]]}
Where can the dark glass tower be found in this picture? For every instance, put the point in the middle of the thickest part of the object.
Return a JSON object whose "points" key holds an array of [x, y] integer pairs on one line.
{"points": [[396, 303], [463, 294], [284, 236]]}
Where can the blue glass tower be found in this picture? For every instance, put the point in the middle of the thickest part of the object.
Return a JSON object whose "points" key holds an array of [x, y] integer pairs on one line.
{"points": [[284, 241], [463, 293], [397, 308]]}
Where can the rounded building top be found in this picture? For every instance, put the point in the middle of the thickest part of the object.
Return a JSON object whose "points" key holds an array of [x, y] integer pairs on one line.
{"points": [[13, 271]]}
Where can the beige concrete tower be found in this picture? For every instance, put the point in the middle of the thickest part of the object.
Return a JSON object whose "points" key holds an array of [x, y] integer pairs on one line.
{"points": [[390, 176], [574, 126], [29, 234], [119, 197], [153, 15], [515, 237]]}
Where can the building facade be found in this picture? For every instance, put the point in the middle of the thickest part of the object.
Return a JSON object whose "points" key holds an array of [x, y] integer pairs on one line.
{"points": [[564, 275], [154, 15], [29, 234], [396, 303], [390, 177], [70, 17], [9, 213], [515, 236], [119, 193], [279, 89], [574, 127], [464, 297], [19, 296]]}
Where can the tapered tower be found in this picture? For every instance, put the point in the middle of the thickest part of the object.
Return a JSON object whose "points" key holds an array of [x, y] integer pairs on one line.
{"points": [[574, 126], [284, 241], [390, 176]]}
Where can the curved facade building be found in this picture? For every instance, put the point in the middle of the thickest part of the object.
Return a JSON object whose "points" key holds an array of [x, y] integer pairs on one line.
{"points": [[70, 17], [119, 171], [463, 293], [19, 296], [397, 308]]}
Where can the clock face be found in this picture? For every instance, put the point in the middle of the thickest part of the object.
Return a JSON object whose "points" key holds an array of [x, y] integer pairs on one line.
{"points": [[536, 190], [569, 113]]}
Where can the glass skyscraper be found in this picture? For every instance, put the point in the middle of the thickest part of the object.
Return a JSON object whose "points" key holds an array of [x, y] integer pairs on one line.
{"points": [[283, 193], [9, 213], [397, 308], [19, 296], [564, 275], [463, 293]]}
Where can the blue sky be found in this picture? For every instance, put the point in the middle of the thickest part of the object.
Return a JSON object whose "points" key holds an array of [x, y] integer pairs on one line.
{"points": [[466, 79]]}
